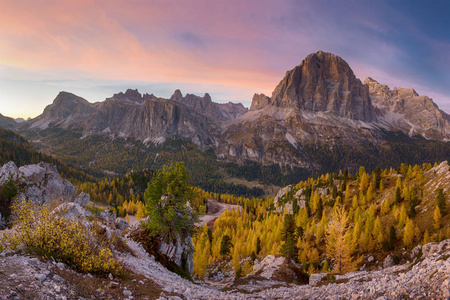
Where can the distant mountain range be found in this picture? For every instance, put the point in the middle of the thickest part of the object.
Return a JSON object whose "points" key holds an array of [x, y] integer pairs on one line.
{"points": [[319, 109]]}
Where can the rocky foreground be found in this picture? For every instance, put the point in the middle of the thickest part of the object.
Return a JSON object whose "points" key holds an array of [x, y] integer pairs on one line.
{"points": [[24, 277]]}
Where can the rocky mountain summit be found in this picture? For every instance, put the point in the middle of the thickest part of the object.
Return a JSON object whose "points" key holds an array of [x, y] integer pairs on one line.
{"points": [[322, 103], [324, 82], [143, 117]]}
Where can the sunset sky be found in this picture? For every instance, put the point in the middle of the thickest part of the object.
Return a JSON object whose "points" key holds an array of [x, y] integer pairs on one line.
{"points": [[230, 49]]}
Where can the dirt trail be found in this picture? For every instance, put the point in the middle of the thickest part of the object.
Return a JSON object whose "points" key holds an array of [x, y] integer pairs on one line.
{"points": [[215, 209]]}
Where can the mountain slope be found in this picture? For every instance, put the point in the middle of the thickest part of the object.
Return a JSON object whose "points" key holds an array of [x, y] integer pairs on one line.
{"points": [[7, 122]]}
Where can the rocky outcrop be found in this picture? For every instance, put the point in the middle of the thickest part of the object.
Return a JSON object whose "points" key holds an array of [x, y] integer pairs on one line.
{"points": [[404, 110], [178, 251], [259, 101], [40, 183], [82, 199]]}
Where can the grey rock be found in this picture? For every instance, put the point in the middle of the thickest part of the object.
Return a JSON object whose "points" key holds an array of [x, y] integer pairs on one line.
{"points": [[175, 252], [58, 278], [415, 251], [82, 199], [33, 173], [314, 279], [121, 224], [370, 259], [70, 210], [388, 262], [61, 265], [9, 169], [41, 182], [20, 288], [40, 277], [127, 293]]}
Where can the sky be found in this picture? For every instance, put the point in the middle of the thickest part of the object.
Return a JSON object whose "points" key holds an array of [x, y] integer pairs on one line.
{"points": [[229, 49]]}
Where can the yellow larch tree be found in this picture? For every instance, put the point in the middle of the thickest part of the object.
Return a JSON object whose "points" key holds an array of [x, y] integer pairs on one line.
{"points": [[437, 218], [339, 244], [408, 234]]}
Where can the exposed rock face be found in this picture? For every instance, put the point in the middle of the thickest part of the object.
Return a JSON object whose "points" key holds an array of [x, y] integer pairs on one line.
{"points": [[322, 103], [205, 106], [82, 199], [403, 109], [319, 103], [324, 82], [259, 101], [278, 268], [143, 117], [40, 182], [179, 251]]}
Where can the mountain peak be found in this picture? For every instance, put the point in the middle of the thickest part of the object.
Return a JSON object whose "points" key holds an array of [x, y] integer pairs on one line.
{"points": [[66, 104], [324, 82], [177, 95]]}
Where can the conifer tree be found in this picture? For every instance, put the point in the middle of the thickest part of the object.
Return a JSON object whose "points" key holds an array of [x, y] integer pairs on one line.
{"points": [[166, 203], [288, 249], [385, 206], [392, 239], [437, 217], [408, 234], [440, 199], [426, 238], [339, 244]]}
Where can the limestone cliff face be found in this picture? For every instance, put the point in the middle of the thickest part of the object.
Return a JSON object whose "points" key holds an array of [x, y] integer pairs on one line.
{"points": [[403, 109], [324, 82], [154, 119], [143, 117], [204, 105], [259, 101]]}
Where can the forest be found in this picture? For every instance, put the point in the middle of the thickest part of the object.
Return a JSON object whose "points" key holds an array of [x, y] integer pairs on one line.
{"points": [[380, 213]]}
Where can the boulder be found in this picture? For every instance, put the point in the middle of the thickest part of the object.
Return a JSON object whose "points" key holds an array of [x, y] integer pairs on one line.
{"points": [[279, 197], [432, 248], [388, 262], [83, 199], [70, 210], [314, 279], [121, 224], [415, 251], [278, 268]]}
